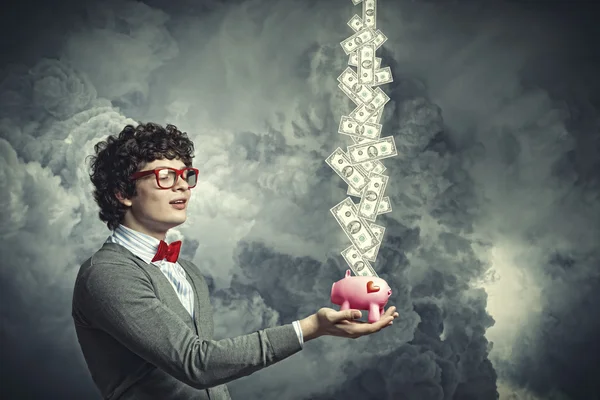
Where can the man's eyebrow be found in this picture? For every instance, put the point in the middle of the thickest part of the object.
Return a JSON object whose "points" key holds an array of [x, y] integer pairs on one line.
{"points": [[168, 166]]}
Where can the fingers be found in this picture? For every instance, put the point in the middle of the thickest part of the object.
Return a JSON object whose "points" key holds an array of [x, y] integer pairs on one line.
{"points": [[369, 328], [390, 311]]}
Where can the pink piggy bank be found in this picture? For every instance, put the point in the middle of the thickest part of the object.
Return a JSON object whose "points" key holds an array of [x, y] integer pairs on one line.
{"points": [[361, 293]]}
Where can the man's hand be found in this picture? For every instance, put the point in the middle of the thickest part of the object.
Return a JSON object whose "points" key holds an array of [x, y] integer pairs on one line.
{"points": [[329, 322]]}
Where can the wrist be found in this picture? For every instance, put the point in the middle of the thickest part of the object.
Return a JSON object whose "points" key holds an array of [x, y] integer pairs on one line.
{"points": [[310, 327]]}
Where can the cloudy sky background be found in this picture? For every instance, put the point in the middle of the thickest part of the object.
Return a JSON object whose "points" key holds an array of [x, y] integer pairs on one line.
{"points": [[491, 248]]}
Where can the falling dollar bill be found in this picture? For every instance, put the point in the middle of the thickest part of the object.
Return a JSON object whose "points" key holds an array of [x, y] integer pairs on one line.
{"points": [[379, 100], [355, 193], [382, 76], [349, 79], [340, 163], [366, 64], [375, 166], [379, 38], [357, 263], [358, 140], [385, 206], [353, 60], [370, 13], [355, 2], [379, 167], [360, 113], [361, 37], [350, 127], [369, 165], [364, 112], [355, 23], [376, 117], [371, 196], [379, 231], [350, 94], [356, 228], [382, 148]]}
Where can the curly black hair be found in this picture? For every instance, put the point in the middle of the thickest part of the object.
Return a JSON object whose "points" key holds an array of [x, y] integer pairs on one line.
{"points": [[117, 158]]}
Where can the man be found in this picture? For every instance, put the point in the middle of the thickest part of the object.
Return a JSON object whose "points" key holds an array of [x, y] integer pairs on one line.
{"points": [[142, 314]]}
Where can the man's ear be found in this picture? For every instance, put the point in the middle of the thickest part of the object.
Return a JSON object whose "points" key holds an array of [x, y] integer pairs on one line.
{"points": [[123, 200]]}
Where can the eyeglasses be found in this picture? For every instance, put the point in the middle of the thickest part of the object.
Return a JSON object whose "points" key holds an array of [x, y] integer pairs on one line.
{"points": [[166, 177]]}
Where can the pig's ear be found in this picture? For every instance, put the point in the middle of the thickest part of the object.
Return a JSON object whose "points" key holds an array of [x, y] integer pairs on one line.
{"points": [[348, 272]]}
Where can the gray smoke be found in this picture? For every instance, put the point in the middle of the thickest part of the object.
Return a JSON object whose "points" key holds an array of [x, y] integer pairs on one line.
{"points": [[491, 248]]}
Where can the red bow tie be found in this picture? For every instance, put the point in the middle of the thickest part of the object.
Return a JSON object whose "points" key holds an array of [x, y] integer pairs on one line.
{"points": [[170, 252]]}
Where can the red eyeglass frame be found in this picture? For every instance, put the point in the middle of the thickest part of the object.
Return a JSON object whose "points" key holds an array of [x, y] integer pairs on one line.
{"points": [[178, 172]]}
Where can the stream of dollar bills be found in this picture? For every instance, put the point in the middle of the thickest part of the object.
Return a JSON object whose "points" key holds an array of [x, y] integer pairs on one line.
{"points": [[360, 165]]}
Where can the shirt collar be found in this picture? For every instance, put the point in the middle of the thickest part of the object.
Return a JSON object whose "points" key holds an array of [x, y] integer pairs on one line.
{"points": [[142, 245]]}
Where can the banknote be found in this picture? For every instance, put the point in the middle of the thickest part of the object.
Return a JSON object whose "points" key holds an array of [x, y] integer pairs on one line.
{"points": [[379, 39], [370, 13], [355, 23], [357, 263], [382, 76], [376, 117], [379, 167], [358, 140], [385, 206], [368, 166], [363, 112], [376, 166], [350, 127], [356, 228], [353, 60], [355, 2], [359, 38], [371, 196], [339, 162], [360, 113], [379, 231], [366, 64], [377, 150], [362, 170], [355, 193], [350, 94], [379, 100], [349, 79]]}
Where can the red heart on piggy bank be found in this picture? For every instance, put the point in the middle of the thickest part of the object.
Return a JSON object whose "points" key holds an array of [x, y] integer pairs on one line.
{"points": [[371, 287]]}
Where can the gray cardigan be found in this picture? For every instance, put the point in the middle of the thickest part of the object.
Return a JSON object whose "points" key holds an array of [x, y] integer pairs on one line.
{"points": [[139, 342]]}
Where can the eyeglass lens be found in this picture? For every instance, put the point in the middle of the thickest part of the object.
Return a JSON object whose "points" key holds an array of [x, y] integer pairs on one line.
{"points": [[166, 177]]}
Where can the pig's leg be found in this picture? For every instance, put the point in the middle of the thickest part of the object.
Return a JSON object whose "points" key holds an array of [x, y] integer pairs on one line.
{"points": [[374, 313], [345, 305]]}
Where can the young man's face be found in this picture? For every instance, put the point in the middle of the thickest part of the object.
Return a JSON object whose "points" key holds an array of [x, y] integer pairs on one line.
{"points": [[150, 211]]}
